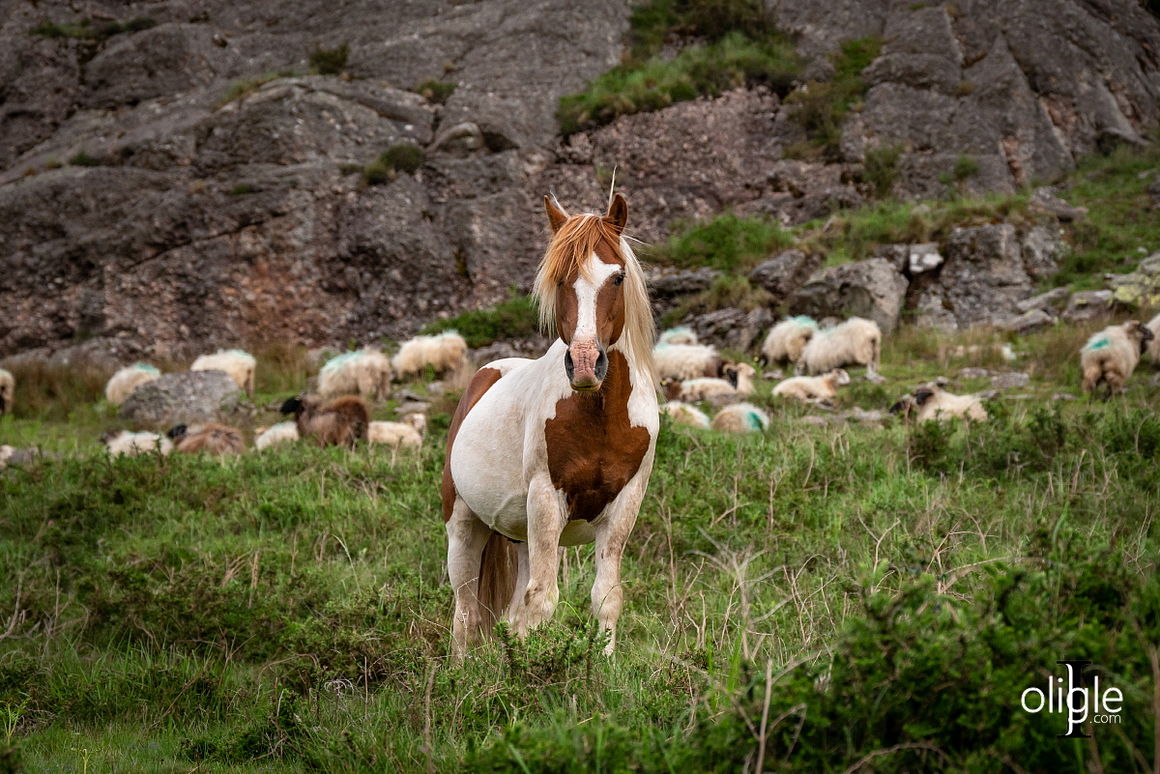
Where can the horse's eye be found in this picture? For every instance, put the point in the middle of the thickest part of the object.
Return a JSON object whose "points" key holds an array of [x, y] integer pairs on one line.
{"points": [[619, 278]]}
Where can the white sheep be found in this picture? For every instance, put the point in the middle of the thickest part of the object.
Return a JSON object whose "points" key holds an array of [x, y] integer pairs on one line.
{"points": [[741, 418], [931, 402], [1111, 355], [680, 335], [127, 379], [405, 434], [365, 372], [786, 340], [686, 361], [6, 453], [857, 341], [130, 444], [239, 365], [738, 383], [444, 352], [7, 391], [684, 414], [813, 389], [1154, 344], [283, 432]]}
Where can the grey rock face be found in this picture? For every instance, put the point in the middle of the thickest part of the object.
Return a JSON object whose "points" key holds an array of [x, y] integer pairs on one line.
{"points": [[191, 396], [1031, 320], [984, 276], [784, 273], [1010, 381], [1140, 288], [870, 289], [732, 328], [1088, 305], [1052, 300]]}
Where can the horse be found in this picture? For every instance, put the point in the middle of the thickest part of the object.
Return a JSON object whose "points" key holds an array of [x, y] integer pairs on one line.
{"points": [[555, 451]]}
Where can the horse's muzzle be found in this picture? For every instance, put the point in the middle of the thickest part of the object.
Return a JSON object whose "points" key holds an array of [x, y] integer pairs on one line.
{"points": [[587, 369]]}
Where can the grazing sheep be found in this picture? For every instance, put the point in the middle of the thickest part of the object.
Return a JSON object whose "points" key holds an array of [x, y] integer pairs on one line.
{"points": [[129, 378], [6, 453], [408, 433], [738, 383], [130, 444], [931, 402], [340, 421], [238, 364], [283, 432], [7, 390], [855, 342], [741, 418], [1111, 355], [209, 437], [445, 352], [679, 335], [686, 361], [786, 340], [1154, 344], [684, 414], [366, 372], [813, 389]]}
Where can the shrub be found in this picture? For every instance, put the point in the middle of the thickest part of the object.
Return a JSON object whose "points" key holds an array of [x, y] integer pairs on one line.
{"points": [[329, 61], [397, 158], [821, 107], [83, 159], [881, 168], [437, 92], [516, 317], [727, 242]]}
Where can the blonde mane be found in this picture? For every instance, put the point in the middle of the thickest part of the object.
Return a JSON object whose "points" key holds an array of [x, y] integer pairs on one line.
{"points": [[568, 254]]}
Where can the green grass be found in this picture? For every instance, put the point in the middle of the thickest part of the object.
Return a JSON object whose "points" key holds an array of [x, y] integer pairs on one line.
{"points": [[516, 317], [395, 159], [728, 242], [437, 92], [329, 61], [883, 592]]}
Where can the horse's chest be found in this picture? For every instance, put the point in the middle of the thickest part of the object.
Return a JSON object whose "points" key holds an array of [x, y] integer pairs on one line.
{"points": [[593, 452]]}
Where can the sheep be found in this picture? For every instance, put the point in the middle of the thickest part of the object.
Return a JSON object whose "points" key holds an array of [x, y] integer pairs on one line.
{"points": [[209, 437], [786, 340], [127, 379], [1154, 344], [366, 372], [283, 432], [857, 341], [130, 444], [239, 365], [444, 352], [6, 453], [684, 414], [679, 335], [738, 383], [1111, 355], [931, 402], [686, 361], [813, 389], [405, 434], [741, 418], [7, 391], [341, 421]]}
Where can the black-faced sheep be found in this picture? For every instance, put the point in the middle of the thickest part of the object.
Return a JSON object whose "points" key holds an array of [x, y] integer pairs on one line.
{"points": [[127, 379], [208, 437], [444, 352], [1110, 356], [813, 389], [338, 422], [786, 340], [1154, 344], [684, 414], [686, 361], [931, 402], [366, 372], [741, 418], [239, 365], [129, 444], [7, 391], [855, 342]]}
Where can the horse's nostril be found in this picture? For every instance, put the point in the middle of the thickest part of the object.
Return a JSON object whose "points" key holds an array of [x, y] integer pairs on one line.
{"points": [[601, 365], [569, 366]]}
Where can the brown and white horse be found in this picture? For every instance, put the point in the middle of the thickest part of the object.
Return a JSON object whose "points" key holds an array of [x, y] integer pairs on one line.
{"points": [[556, 451]]}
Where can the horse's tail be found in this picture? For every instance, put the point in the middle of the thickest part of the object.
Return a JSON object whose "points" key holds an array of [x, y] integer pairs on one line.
{"points": [[497, 579]]}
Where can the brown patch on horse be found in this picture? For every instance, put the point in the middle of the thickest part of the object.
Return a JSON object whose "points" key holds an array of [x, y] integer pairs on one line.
{"points": [[593, 450], [480, 383]]}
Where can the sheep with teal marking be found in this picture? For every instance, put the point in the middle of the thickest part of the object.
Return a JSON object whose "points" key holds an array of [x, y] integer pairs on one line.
{"points": [[682, 334], [237, 364], [1110, 356], [121, 384], [741, 418], [365, 372], [686, 361], [786, 340]]}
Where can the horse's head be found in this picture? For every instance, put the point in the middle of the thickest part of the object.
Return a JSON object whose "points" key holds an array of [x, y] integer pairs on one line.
{"points": [[582, 288]]}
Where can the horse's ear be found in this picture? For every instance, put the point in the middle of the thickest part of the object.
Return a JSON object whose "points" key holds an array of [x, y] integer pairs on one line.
{"points": [[556, 216], [617, 215]]}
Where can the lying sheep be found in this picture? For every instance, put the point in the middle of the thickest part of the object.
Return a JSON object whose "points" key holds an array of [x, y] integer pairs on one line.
{"points": [[931, 402], [684, 414], [813, 389], [686, 361], [741, 418], [283, 432], [341, 421], [786, 340], [1154, 344], [129, 444], [855, 342], [444, 352], [129, 378], [680, 335], [208, 437], [7, 391], [405, 434], [737, 383], [238, 364], [366, 372], [1111, 355]]}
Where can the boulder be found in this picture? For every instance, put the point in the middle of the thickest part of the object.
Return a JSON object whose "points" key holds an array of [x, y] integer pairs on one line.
{"points": [[784, 273], [1045, 200], [870, 289], [1141, 288], [1088, 305], [1052, 301], [732, 328], [983, 277], [1010, 381], [1031, 320], [182, 398], [923, 257]]}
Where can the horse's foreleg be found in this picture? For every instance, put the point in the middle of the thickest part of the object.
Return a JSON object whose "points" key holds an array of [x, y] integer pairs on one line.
{"points": [[522, 573], [466, 537], [611, 535], [546, 521]]}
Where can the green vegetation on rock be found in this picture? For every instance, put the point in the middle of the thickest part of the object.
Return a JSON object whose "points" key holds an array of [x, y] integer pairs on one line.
{"points": [[517, 317]]}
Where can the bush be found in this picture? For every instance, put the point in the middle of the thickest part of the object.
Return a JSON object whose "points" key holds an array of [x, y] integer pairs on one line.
{"points": [[329, 61], [437, 92], [881, 168], [821, 107], [397, 158], [83, 159], [727, 242]]}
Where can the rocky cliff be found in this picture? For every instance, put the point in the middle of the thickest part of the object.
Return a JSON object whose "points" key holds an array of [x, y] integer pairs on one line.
{"points": [[173, 178]]}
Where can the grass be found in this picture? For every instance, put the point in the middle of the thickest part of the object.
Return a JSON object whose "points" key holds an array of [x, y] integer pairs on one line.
{"points": [[329, 61], [516, 317], [437, 92], [819, 594], [395, 159], [728, 242]]}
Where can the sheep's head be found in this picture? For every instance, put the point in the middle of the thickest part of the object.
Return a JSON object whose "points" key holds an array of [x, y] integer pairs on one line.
{"points": [[729, 373], [923, 394], [1138, 330], [903, 406], [671, 388], [3, 405], [840, 376], [292, 406], [177, 431]]}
